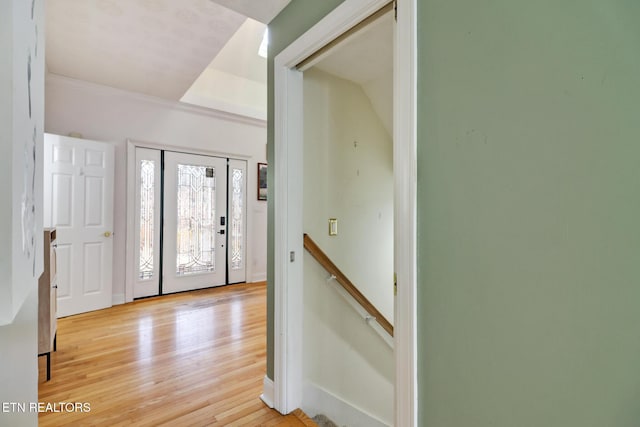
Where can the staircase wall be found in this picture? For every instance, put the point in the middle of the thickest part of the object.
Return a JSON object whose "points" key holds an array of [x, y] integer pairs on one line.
{"points": [[348, 176]]}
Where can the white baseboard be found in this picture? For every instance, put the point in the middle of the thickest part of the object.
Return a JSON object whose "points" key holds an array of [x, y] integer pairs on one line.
{"points": [[267, 392], [258, 277], [316, 400], [118, 299]]}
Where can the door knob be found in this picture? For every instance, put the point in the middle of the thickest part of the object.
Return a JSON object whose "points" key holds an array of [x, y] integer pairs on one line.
{"points": [[107, 234]]}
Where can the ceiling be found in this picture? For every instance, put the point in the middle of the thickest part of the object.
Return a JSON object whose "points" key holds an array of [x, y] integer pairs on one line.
{"points": [[236, 79], [366, 58], [156, 47], [260, 10]]}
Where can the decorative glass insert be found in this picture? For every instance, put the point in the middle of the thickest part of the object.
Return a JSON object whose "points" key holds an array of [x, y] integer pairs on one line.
{"points": [[196, 228], [147, 191], [237, 219]]}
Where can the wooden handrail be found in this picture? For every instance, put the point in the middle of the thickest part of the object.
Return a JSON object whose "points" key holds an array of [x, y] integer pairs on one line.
{"points": [[328, 265]]}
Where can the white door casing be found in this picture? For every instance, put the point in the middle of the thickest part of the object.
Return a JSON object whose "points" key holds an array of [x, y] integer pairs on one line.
{"points": [[287, 381], [405, 167], [78, 202], [198, 241]]}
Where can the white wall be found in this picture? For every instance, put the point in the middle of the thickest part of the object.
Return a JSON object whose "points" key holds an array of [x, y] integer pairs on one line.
{"points": [[110, 115], [348, 175], [18, 363], [342, 355], [21, 123], [6, 154], [229, 92], [380, 93], [353, 183], [21, 254]]}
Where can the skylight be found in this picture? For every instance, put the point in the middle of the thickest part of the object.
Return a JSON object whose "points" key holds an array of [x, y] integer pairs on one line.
{"points": [[262, 50]]}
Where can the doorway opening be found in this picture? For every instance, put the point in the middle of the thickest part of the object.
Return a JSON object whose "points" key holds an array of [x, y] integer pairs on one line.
{"points": [[189, 222], [348, 181]]}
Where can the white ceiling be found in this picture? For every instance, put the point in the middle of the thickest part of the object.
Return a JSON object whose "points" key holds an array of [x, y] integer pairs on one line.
{"points": [[154, 47], [239, 56], [236, 79], [260, 10], [366, 58]]}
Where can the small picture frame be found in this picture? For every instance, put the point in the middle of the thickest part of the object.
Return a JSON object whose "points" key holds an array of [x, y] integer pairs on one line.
{"points": [[262, 181]]}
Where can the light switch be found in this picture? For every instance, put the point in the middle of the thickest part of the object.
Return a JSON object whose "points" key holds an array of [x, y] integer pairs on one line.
{"points": [[333, 227]]}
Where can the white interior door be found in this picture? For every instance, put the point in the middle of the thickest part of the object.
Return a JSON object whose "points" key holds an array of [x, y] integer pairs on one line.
{"points": [[194, 237], [147, 223], [78, 202]]}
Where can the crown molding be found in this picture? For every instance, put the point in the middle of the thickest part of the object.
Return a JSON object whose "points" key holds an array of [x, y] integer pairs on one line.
{"points": [[57, 79]]}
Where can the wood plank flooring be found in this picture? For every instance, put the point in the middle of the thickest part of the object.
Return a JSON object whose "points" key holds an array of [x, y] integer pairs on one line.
{"points": [[189, 359]]}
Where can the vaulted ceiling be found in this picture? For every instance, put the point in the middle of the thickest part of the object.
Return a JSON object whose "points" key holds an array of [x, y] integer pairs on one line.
{"points": [[154, 47], [366, 58]]}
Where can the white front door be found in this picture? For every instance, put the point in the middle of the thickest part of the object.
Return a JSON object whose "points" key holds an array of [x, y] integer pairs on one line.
{"points": [[78, 202], [195, 210], [194, 251]]}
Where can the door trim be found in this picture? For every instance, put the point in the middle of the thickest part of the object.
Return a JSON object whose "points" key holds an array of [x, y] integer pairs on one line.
{"points": [[288, 203], [132, 144]]}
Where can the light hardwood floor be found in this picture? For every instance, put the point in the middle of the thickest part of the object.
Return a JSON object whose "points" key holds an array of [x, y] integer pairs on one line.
{"points": [[189, 359]]}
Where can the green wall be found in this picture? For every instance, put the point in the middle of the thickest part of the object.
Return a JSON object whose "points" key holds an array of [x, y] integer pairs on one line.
{"points": [[291, 23], [529, 212]]}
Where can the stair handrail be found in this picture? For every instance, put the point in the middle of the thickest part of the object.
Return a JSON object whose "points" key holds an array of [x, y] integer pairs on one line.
{"points": [[344, 281]]}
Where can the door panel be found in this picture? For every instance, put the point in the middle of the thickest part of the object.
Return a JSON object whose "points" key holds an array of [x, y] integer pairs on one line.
{"points": [[237, 251], [62, 193], [78, 197], [93, 190], [147, 222], [92, 267], [194, 254]]}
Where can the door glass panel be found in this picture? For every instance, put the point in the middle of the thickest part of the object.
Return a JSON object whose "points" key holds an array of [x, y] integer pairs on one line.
{"points": [[147, 188], [196, 226], [237, 220]]}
